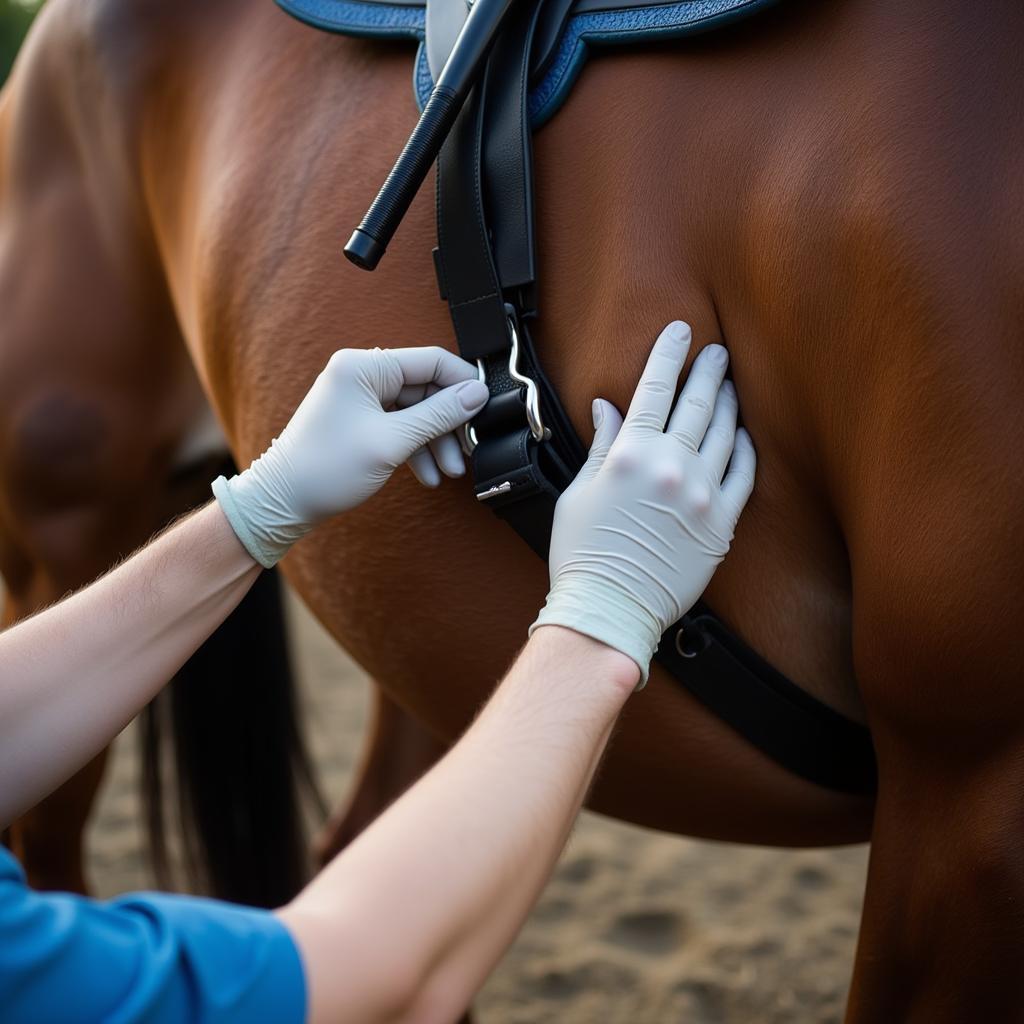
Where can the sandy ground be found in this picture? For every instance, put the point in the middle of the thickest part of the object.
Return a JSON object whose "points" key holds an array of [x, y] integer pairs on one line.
{"points": [[636, 927]]}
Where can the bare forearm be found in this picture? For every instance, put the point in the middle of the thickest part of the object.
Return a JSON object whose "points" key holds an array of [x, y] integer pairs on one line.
{"points": [[439, 885], [73, 676]]}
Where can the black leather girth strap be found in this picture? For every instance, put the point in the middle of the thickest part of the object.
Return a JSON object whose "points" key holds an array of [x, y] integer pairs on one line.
{"points": [[486, 270], [485, 262]]}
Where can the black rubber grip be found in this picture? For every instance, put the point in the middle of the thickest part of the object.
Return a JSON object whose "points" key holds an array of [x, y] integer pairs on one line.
{"points": [[398, 192]]}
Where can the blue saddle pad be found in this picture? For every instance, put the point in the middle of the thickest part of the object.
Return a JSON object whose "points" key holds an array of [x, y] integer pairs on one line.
{"points": [[612, 23]]}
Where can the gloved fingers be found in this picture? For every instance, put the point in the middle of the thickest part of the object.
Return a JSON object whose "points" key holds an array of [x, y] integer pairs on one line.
{"points": [[436, 415], [720, 437], [446, 449], [447, 454], [412, 366], [410, 395], [652, 400], [442, 454], [739, 481], [423, 467], [607, 424], [692, 414]]}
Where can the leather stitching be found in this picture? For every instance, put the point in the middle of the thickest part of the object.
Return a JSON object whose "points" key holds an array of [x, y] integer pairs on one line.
{"points": [[469, 302]]}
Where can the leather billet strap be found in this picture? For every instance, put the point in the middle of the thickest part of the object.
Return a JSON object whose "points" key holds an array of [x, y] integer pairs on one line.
{"points": [[520, 476], [783, 721], [486, 268], [463, 259]]}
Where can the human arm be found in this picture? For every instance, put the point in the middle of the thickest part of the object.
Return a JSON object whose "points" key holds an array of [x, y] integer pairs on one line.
{"points": [[406, 923], [171, 958], [129, 632], [126, 635]]}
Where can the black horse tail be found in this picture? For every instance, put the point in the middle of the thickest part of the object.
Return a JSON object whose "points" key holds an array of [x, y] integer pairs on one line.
{"points": [[243, 778]]}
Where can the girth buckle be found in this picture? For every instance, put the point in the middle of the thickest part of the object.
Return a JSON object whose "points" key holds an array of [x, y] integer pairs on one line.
{"points": [[533, 418], [532, 399]]}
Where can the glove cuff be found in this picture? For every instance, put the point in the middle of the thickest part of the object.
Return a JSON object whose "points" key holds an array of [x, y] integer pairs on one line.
{"points": [[592, 608], [258, 522]]}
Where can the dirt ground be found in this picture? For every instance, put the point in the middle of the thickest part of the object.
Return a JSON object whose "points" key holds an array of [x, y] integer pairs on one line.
{"points": [[636, 927]]}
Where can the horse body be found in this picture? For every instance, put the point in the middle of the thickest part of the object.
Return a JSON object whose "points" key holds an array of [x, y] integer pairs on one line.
{"points": [[269, 248], [832, 191]]}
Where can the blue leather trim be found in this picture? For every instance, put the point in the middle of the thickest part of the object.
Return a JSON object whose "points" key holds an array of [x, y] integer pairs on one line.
{"points": [[633, 25], [591, 29], [422, 81], [367, 20]]}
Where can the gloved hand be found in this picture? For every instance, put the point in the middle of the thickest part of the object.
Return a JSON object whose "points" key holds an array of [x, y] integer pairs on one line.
{"points": [[341, 445], [639, 533]]}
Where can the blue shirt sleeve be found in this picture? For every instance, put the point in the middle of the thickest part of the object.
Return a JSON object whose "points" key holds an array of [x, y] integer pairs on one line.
{"points": [[141, 958]]}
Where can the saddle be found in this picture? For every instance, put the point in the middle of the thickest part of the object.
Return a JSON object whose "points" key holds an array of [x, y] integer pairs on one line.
{"points": [[524, 450], [566, 33]]}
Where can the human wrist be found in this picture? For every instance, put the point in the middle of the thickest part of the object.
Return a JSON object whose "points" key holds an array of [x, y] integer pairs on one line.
{"points": [[594, 662], [233, 542], [256, 504], [604, 612]]}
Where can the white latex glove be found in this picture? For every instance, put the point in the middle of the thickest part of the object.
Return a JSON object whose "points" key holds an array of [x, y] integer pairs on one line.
{"points": [[341, 446], [640, 531]]}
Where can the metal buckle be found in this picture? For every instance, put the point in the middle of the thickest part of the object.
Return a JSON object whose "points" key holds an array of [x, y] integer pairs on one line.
{"points": [[680, 641], [689, 649], [467, 435], [537, 428]]}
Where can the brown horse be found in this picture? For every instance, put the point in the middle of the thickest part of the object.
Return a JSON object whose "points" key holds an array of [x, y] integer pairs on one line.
{"points": [[833, 190]]}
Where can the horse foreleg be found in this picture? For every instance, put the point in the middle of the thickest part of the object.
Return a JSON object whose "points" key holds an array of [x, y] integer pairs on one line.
{"points": [[397, 752], [944, 916], [939, 587]]}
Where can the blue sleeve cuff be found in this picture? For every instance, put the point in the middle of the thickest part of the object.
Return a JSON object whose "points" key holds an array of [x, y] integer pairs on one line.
{"points": [[146, 958], [234, 963]]}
